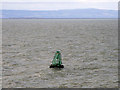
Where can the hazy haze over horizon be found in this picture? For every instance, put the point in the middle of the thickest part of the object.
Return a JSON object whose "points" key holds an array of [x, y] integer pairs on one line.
{"points": [[59, 4]]}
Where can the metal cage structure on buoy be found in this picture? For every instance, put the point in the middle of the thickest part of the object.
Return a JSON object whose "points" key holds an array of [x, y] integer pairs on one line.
{"points": [[57, 61]]}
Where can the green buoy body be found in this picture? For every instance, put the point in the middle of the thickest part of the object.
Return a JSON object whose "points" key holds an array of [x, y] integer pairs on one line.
{"points": [[57, 61]]}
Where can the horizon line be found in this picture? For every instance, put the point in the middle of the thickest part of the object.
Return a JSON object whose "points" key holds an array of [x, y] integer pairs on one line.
{"points": [[68, 2], [61, 9]]}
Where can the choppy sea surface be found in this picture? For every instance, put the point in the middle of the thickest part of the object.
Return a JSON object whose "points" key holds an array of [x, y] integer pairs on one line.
{"points": [[89, 49]]}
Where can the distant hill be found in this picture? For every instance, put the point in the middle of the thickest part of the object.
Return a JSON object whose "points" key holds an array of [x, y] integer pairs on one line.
{"points": [[74, 13]]}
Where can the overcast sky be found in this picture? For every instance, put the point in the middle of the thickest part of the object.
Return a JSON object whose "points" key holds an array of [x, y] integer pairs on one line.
{"points": [[58, 4]]}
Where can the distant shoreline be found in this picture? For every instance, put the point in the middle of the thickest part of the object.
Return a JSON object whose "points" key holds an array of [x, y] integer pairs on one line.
{"points": [[61, 14]]}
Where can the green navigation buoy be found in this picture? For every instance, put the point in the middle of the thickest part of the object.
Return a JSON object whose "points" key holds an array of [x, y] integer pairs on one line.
{"points": [[57, 61]]}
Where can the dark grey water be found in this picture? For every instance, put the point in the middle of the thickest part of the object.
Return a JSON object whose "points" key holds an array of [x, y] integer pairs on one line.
{"points": [[89, 51]]}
